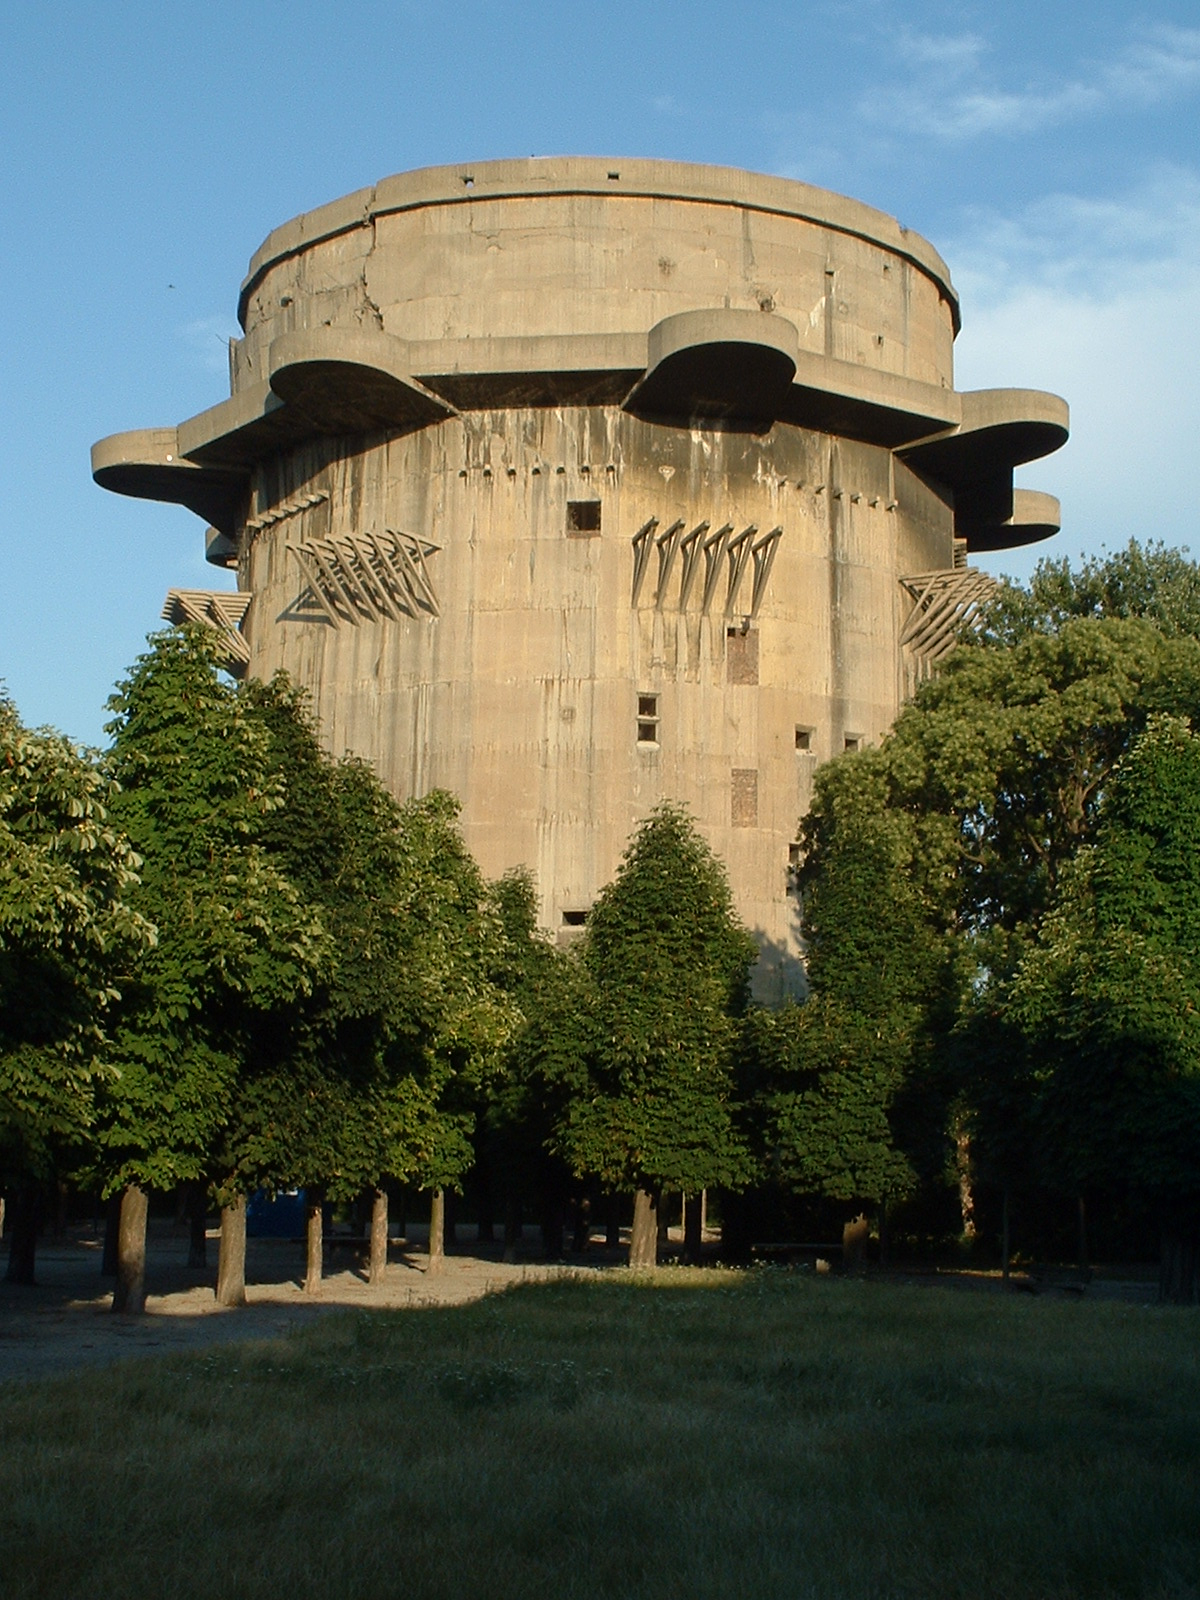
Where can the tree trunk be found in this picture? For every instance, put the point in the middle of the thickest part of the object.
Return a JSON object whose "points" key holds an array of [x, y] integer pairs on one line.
{"points": [[314, 1241], [1179, 1266], [129, 1296], [231, 1261], [1005, 1239], [552, 1228], [581, 1232], [112, 1230], [197, 1220], [377, 1270], [693, 1228], [23, 1230], [512, 1226], [437, 1230], [643, 1237], [612, 1222], [485, 1228], [855, 1234], [966, 1194]]}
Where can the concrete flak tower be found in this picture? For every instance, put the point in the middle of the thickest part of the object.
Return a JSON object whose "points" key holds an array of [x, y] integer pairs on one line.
{"points": [[574, 485]]}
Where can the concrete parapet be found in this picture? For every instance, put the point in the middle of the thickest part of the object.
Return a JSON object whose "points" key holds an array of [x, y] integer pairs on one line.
{"points": [[575, 485]]}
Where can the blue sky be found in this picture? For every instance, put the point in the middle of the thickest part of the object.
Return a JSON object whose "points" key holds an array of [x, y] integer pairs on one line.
{"points": [[1050, 152]]}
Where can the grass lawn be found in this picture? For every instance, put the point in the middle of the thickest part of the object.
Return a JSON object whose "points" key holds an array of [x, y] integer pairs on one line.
{"points": [[685, 1435]]}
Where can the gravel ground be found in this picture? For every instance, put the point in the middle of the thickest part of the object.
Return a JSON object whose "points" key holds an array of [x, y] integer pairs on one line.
{"points": [[66, 1321]]}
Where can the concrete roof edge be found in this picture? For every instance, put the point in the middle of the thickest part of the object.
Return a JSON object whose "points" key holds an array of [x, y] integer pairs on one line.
{"points": [[642, 178]]}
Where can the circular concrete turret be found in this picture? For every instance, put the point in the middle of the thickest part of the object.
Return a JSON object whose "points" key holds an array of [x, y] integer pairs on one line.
{"points": [[574, 485]]}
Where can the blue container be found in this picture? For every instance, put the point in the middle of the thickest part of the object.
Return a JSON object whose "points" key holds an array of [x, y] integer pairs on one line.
{"points": [[278, 1216]]}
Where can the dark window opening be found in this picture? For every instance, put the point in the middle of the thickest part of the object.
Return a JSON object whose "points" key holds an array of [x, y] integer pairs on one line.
{"points": [[804, 738], [647, 719], [852, 741], [583, 516], [574, 919]]}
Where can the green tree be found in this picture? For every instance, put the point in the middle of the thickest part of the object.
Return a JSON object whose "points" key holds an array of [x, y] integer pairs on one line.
{"points": [[1109, 999], [235, 941], [67, 928], [529, 1098], [983, 793], [666, 966], [1153, 582]]}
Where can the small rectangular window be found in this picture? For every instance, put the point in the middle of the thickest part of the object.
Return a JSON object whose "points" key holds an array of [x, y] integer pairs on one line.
{"points": [[852, 741], [583, 518], [574, 919], [795, 858], [804, 738], [647, 719]]}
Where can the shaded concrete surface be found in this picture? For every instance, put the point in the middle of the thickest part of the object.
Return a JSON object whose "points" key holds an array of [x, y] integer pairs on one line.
{"points": [[66, 1321]]}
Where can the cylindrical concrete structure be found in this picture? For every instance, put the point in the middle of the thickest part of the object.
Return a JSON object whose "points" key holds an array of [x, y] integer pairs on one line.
{"points": [[572, 486]]}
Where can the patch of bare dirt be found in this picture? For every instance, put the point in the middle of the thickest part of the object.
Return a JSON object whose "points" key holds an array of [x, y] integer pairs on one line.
{"points": [[65, 1322]]}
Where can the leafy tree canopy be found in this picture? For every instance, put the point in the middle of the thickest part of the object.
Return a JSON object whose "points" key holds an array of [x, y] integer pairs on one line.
{"points": [[1149, 581], [1109, 995], [665, 967], [235, 939], [68, 927]]}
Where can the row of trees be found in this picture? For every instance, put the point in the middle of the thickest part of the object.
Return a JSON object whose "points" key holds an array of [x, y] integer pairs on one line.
{"points": [[1003, 903], [229, 961]]}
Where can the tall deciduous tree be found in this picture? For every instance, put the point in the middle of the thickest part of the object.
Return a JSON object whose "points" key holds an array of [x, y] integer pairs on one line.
{"points": [[67, 928], [235, 941], [987, 787], [1109, 997], [376, 1076], [667, 965]]}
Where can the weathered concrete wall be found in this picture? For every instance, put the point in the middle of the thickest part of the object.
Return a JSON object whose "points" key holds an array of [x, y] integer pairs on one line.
{"points": [[521, 696], [435, 370]]}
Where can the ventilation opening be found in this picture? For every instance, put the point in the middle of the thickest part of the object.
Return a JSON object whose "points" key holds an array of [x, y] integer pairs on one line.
{"points": [[647, 719], [583, 517], [468, 179], [614, 177], [574, 919], [804, 738], [852, 741]]}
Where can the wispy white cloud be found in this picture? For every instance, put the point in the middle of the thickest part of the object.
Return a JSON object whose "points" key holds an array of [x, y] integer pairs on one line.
{"points": [[1098, 301], [950, 52], [1092, 247], [951, 95]]}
